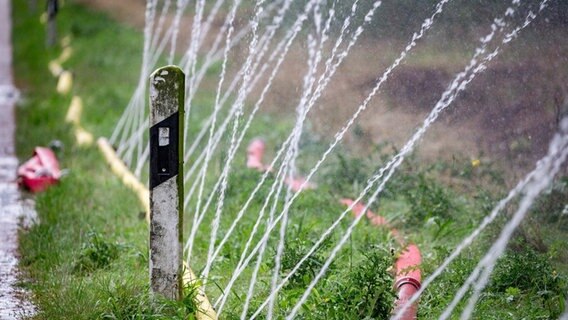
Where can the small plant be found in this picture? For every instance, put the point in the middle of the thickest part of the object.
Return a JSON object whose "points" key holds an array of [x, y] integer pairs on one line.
{"points": [[553, 207], [295, 249], [529, 272], [512, 294], [125, 300], [128, 301], [364, 292], [349, 175], [188, 305], [96, 253], [526, 270], [427, 199]]}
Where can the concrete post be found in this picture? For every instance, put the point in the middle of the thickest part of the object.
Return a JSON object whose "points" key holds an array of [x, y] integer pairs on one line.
{"points": [[166, 181], [52, 9]]}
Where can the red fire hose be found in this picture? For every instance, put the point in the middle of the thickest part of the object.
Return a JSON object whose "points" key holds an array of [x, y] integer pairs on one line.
{"points": [[407, 279]]}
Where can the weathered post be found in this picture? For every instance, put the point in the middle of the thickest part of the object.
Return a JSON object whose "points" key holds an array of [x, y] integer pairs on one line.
{"points": [[32, 6], [166, 181], [52, 9]]}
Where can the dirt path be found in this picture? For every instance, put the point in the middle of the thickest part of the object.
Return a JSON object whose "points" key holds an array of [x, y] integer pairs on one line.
{"points": [[13, 207]]}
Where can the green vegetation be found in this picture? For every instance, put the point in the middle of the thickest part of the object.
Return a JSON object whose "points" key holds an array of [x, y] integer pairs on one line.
{"points": [[96, 253], [87, 259]]}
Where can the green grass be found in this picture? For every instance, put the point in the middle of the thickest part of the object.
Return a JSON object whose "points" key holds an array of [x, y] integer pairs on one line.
{"points": [[88, 258]]}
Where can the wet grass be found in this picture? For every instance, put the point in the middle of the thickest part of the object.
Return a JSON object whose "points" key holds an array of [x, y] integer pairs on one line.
{"points": [[88, 259]]}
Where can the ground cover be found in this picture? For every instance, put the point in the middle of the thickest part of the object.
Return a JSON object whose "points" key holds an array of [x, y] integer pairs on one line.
{"points": [[88, 257]]}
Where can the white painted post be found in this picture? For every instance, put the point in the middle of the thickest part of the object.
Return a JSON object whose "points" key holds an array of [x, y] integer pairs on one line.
{"points": [[166, 181]]}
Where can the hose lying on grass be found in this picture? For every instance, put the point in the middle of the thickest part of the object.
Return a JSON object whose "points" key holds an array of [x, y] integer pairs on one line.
{"points": [[408, 275]]}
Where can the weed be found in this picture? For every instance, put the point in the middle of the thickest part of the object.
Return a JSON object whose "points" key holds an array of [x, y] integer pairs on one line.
{"points": [[553, 207], [128, 301], [363, 292], [427, 199], [350, 175], [295, 249], [530, 272], [96, 253]]}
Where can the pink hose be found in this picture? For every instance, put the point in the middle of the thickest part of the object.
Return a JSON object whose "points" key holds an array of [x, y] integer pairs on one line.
{"points": [[407, 279], [255, 153]]}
